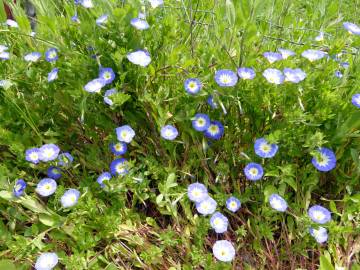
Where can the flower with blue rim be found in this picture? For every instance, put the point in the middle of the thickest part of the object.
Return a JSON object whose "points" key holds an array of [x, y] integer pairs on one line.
{"points": [[139, 24], [94, 86], [313, 55], [246, 73], [118, 148], [140, 57], [253, 171], [273, 75], [226, 78], [87, 3], [278, 203], [46, 187], [345, 64], [125, 133], [233, 204], [320, 234], [201, 122], [46, 261], [51, 55], [355, 100], [294, 75], [107, 74], [338, 74], [320, 37], [102, 19], [77, 2], [4, 55], [32, 57], [105, 176], [197, 192], [224, 251], [215, 130], [19, 187], [211, 102], [33, 155], [264, 149], [12, 23], [54, 172], [192, 86], [319, 214], [272, 57], [219, 222], [75, 18], [119, 167], [285, 53], [207, 206], [142, 15], [49, 152], [53, 74], [156, 3], [107, 96], [169, 132], [65, 159], [70, 198], [352, 28], [325, 160]]}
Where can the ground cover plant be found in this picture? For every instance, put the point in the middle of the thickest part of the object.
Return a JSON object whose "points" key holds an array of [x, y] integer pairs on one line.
{"points": [[181, 134]]}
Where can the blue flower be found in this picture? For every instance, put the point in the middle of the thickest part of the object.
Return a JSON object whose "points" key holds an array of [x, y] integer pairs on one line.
{"points": [[139, 24], [46, 261], [77, 2], [278, 203], [319, 214], [226, 78], [320, 234], [140, 57], [356, 100], [65, 159], [352, 28], [246, 73], [70, 198], [54, 172], [94, 86], [156, 3], [219, 222], [253, 171], [48, 152], [338, 74], [201, 122], [4, 55], [169, 132], [233, 204], [107, 74], [142, 15], [46, 187], [125, 133], [53, 74], [75, 19], [32, 57], [224, 251], [108, 94], [264, 149], [87, 3], [197, 192], [119, 167], [273, 75], [272, 56], [192, 86], [215, 131], [345, 64], [102, 19], [320, 37], [325, 161], [51, 55], [286, 53], [294, 75], [19, 187], [313, 55], [118, 148], [33, 155], [210, 101], [105, 176], [207, 206]]}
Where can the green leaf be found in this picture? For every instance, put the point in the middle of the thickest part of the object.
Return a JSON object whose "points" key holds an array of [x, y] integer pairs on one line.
{"points": [[119, 99], [50, 220], [6, 195], [325, 264], [32, 204], [230, 12], [7, 265]]}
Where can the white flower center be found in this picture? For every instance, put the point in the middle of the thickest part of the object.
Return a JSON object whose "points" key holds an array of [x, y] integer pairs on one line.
{"points": [[323, 160], [265, 148], [225, 79], [214, 129], [319, 215], [34, 156], [253, 171]]}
